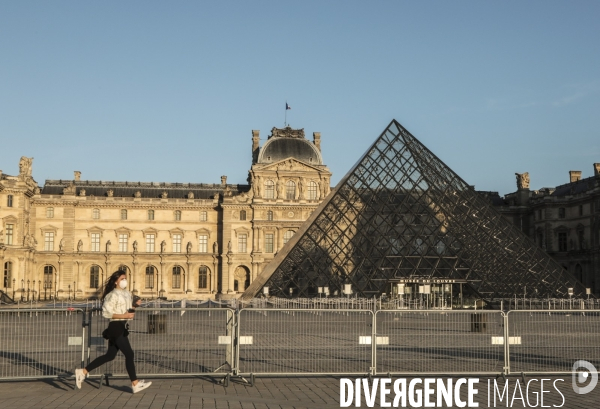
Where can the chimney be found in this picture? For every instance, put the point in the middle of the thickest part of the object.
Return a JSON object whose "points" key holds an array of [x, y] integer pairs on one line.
{"points": [[255, 145], [596, 169], [317, 140], [77, 176], [223, 181], [574, 175]]}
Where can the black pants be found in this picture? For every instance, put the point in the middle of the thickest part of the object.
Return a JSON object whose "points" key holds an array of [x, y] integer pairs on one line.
{"points": [[120, 344]]}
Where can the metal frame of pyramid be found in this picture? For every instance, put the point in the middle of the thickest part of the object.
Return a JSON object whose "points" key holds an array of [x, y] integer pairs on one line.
{"points": [[402, 213]]}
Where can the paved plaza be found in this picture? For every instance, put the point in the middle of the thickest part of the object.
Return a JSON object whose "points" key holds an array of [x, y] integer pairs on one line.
{"points": [[310, 392]]}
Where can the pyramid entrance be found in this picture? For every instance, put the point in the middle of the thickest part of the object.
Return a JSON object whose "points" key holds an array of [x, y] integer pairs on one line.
{"points": [[402, 220]]}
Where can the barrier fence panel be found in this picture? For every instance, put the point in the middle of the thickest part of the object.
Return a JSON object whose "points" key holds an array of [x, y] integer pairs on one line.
{"points": [[552, 341], [439, 342], [40, 343], [301, 341], [190, 341]]}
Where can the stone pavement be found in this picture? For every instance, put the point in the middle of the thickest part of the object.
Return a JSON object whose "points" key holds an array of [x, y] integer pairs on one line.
{"points": [[313, 393]]}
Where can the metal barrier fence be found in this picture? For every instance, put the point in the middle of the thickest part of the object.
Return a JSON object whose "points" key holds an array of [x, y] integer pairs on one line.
{"points": [[51, 343], [39, 343], [301, 342], [552, 341], [167, 342], [440, 342]]}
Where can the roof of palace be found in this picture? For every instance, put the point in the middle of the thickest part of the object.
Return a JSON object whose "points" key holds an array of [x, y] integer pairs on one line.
{"points": [[289, 143], [146, 189]]}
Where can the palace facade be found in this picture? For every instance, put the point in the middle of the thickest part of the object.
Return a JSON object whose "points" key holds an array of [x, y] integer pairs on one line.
{"points": [[563, 220], [174, 240]]}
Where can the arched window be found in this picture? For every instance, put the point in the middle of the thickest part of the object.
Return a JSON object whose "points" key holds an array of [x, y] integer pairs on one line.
{"points": [[312, 191], [270, 215], [48, 276], [96, 214], [122, 268], [123, 214], [150, 277], [242, 215], [290, 190], [579, 272], [49, 212], [203, 277], [269, 189], [287, 236], [177, 215], [150, 214], [7, 274], [94, 276], [177, 277]]}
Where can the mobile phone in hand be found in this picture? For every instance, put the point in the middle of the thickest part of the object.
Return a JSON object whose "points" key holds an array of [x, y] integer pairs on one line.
{"points": [[131, 310]]}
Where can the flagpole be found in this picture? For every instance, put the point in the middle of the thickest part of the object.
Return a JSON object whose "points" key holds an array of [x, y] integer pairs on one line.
{"points": [[285, 120]]}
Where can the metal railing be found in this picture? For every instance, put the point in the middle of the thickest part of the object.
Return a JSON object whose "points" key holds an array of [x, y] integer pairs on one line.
{"points": [[41, 343], [302, 341], [220, 342], [552, 341], [171, 341], [440, 342]]}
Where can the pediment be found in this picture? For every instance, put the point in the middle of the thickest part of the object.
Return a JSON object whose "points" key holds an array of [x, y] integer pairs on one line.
{"points": [[290, 165], [49, 227], [122, 230], [94, 229]]}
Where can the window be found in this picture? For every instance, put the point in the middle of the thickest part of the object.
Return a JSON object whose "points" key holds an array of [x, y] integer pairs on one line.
{"points": [[269, 243], [123, 238], [290, 190], [203, 216], [7, 274], [49, 212], [203, 243], [312, 191], [10, 231], [203, 277], [580, 239], [48, 273], [149, 277], [9, 201], [270, 215], [95, 241], [150, 214], [242, 215], [581, 210], [94, 276], [287, 236], [561, 213], [177, 243], [176, 277], [149, 243], [562, 241], [49, 241], [540, 237], [177, 215], [123, 214], [96, 214], [269, 189], [242, 242]]}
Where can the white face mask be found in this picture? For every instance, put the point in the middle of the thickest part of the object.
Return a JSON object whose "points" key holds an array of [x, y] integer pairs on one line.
{"points": [[123, 284]]}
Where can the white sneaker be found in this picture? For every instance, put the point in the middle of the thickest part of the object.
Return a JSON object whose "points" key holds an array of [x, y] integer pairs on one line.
{"points": [[141, 385], [79, 377]]}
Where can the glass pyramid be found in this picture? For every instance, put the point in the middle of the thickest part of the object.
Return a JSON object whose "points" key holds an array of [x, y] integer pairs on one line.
{"points": [[401, 213]]}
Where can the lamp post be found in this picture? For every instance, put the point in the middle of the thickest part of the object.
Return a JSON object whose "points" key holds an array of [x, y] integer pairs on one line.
{"points": [[22, 290], [14, 283], [28, 290], [39, 290]]}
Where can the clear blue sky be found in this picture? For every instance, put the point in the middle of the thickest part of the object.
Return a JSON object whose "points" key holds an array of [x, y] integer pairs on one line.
{"points": [[175, 88]]}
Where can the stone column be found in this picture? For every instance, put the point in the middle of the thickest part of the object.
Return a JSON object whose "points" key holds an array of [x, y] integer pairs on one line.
{"points": [[214, 275]]}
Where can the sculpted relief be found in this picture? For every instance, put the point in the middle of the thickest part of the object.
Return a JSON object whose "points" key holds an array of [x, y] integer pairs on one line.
{"points": [[522, 180], [25, 166]]}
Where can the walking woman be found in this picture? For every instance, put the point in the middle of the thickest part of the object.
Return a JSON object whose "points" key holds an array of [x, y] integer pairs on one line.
{"points": [[117, 306]]}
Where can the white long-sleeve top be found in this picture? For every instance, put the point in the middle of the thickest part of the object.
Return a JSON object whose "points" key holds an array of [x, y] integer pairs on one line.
{"points": [[117, 302]]}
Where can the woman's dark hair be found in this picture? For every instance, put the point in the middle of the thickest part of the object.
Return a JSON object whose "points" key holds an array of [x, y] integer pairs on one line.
{"points": [[111, 282]]}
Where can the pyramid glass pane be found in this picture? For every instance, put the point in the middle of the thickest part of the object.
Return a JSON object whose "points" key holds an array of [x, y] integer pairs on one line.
{"points": [[401, 213]]}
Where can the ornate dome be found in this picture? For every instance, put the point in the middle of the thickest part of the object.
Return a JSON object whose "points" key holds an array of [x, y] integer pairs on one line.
{"points": [[289, 143]]}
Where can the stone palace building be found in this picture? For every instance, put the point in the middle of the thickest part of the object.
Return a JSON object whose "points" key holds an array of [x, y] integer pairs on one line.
{"points": [[174, 240]]}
